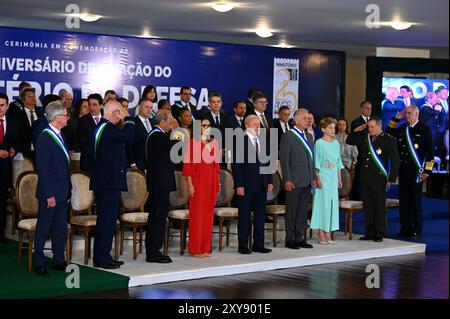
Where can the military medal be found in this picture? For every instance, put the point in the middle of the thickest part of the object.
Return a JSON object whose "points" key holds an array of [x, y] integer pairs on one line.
{"points": [[379, 151], [413, 151], [376, 158], [416, 146]]}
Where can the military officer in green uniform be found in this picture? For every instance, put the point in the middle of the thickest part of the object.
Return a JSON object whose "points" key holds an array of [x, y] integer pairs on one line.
{"points": [[378, 149]]}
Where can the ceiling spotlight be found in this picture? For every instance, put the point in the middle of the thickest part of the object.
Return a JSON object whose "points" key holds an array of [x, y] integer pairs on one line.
{"points": [[222, 6], [264, 33], [398, 25], [87, 17]]}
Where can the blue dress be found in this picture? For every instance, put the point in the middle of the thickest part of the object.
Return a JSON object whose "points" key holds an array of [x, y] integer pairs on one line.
{"points": [[327, 159]]}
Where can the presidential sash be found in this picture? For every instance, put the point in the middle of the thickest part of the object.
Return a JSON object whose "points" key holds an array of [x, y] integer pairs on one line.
{"points": [[303, 141], [58, 141], [98, 135], [376, 157], [413, 151]]}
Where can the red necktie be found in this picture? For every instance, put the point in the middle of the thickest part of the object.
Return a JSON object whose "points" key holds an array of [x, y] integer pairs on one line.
{"points": [[2, 131]]}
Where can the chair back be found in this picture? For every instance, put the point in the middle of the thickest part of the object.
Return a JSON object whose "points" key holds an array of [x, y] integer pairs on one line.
{"points": [[26, 195], [82, 197], [19, 166], [137, 194], [180, 197], [226, 192], [75, 162], [272, 196], [346, 189]]}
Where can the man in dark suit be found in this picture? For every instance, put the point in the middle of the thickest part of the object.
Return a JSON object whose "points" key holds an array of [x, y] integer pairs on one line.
{"points": [[237, 119], [260, 106], [365, 108], [53, 189], [86, 128], [282, 123], [215, 115], [26, 117], [297, 164], [160, 182], [415, 146], [251, 186], [391, 105], [109, 178], [17, 105], [9, 143], [431, 115], [442, 94], [406, 95], [185, 102], [249, 102], [312, 129], [378, 150], [136, 148]]}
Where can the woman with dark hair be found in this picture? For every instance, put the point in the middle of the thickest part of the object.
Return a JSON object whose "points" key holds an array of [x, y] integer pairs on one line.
{"points": [[349, 153], [150, 93], [201, 167], [185, 120], [124, 102]]}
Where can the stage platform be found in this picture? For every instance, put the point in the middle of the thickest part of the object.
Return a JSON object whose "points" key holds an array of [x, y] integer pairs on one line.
{"points": [[230, 262]]}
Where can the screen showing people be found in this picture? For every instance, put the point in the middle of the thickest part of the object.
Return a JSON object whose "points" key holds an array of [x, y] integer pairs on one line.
{"points": [[430, 95]]}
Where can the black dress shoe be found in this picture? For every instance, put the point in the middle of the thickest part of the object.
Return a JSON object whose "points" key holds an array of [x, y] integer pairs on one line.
{"points": [[117, 262], [378, 239], [367, 238], [108, 266], [5, 240], [244, 251], [59, 267], [292, 245], [262, 250], [304, 244], [41, 271], [159, 259]]}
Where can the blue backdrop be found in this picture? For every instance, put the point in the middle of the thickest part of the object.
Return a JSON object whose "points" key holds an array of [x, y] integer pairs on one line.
{"points": [[88, 63]]}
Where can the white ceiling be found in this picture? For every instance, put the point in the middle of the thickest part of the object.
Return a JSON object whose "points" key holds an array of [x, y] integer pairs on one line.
{"points": [[315, 24]]}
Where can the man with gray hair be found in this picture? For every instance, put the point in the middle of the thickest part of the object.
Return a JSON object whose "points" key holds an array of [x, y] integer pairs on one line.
{"points": [[66, 99], [391, 105], [109, 178], [297, 165], [53, 189], [251, 186]]}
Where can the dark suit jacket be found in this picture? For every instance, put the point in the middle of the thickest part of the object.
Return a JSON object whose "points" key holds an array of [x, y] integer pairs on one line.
{"points": [[38, 126], [86, 137], [160, 169], [110, 166], [136, 148], [234, 123], [11, 140], [435, 120], [178, 105], [355, 123], [53, 170], [26, 130], [71, 134], [250, 108], [247, 174], [277, 124]]}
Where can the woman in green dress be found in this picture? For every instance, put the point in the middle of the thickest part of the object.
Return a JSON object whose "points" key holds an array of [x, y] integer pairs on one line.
{"points": [[328, 165]]}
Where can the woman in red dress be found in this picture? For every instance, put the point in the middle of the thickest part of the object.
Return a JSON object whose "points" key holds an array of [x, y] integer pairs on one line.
{"points": [[201, 167]]}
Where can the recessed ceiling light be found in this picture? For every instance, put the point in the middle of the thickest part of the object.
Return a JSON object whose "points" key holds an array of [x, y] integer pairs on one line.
{"points": [[264, 33], [284, 45], [222, 6], [398, 25], [87, 17]]}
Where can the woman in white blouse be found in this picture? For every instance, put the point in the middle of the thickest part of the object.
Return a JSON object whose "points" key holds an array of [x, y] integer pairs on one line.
{"points": [[349, 153]]}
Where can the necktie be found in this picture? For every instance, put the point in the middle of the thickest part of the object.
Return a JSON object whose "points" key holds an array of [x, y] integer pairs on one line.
{"points": [[2, 131], [217, 120], [96, 119], [264, 121], [286, 126], [32, 116], [240, 122], [256, 145], [147, 126]]}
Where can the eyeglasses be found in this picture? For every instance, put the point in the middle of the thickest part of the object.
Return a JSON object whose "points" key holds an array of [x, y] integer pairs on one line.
{"points": [[206, 125], [66, 115]]}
